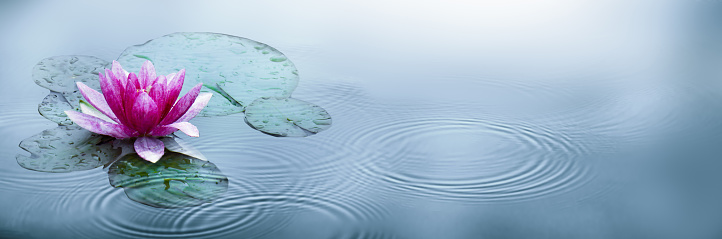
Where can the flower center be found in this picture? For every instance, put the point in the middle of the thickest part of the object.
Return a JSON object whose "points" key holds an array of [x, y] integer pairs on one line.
{"points": [[146, 90]]}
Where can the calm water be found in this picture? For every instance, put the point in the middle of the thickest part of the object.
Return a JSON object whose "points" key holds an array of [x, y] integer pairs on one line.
{"points": [[455, 119]]}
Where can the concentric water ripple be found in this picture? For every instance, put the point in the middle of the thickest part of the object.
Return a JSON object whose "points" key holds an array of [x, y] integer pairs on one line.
{"points": [[363, 234], [475, 161], [240, 213], [328, 179], [20, 123]]}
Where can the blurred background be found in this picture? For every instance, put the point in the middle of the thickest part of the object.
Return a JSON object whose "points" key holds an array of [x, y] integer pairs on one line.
{"points": [[452, 119]]}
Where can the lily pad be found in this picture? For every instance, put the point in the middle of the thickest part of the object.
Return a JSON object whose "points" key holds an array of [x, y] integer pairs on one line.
{"points": [[176, 180], [53, 107], [244, 68], [59, 74], [287, 117], [220, 104], [66, 149]]}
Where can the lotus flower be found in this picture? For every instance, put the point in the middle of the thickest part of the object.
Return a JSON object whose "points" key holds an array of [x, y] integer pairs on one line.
{"points": [[143, 105]]}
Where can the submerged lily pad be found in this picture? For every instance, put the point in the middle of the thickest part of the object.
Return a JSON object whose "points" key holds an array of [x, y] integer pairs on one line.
{"points": [[53, 107], [59, 74], [66, 149], [244, 68], [176, 180], [287, 117]]}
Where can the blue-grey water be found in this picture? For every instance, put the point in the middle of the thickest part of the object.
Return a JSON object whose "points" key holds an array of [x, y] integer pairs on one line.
{"points": [[451, 119]]}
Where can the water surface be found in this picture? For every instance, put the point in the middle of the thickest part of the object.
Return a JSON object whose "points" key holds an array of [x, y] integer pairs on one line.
{"points": [[450, 120]]}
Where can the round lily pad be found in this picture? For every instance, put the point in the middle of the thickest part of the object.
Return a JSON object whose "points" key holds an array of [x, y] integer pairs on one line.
{"points": [[243, 68], [176, 180], [59, 74], [53, 107], [287, 117], [66, 149]]}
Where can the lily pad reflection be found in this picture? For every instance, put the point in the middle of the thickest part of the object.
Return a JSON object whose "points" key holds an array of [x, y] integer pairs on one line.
{"points": [[66, 149], [176, 180], [243, 68], [287, 117]]}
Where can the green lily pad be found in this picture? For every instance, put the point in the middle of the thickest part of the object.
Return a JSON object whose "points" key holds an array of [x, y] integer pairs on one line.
{"points": [[66, 149], [287, 117], [243, 68], [220, 104], [59, 74], [53, 107], [176, 180]]}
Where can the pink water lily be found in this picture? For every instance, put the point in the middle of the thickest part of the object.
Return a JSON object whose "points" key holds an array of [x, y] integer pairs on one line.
{"points": [[143, 105]]}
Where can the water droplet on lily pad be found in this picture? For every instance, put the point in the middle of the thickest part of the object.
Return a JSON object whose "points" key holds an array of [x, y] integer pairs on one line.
{"points": [[240, 66], [59, 74], [176, 180], [53, 107], [66, 149], [287, 117]]}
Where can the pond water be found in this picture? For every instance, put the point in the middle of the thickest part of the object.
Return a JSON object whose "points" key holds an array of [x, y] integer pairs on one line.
{"points": [[455, 119]]}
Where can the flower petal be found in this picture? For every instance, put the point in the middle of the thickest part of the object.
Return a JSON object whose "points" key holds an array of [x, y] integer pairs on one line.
{"points": [[113, 93], [99, 126], [119, 74], [97, 100], [198, 105], [145, 113], [185, 127], [175, 84], [171, 76], [158, 93], [149, 148], [182, 105], [146, 75], [131, 93]]}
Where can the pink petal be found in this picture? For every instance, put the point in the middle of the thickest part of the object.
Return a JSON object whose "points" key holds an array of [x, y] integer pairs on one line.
{"points": [[113, 94], [146, 75], [120, 86], [182, 105], [131, 93], [145, 113], [170, 77], [175, 84], [162, 130], [198, 105], [99, 126], [96, 100], [185, 127], [149, 148], [119, 74], [158, 93]]}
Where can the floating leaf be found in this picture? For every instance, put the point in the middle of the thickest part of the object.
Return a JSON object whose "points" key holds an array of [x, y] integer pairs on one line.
{"points": [[176, 180], [66, 149], [287, 117], [244, 68], [220, 104], [125, 146], [53, 107], [59, 74]]}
